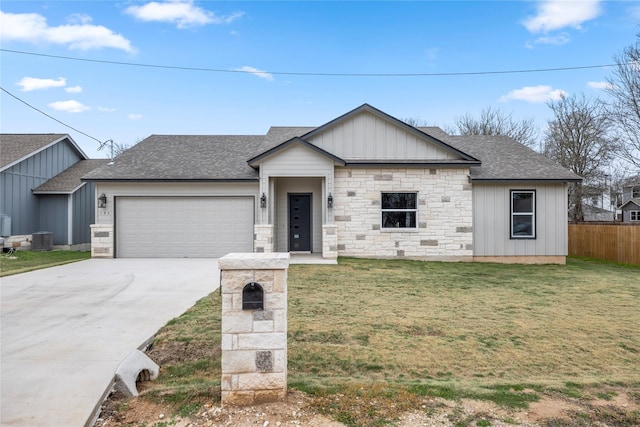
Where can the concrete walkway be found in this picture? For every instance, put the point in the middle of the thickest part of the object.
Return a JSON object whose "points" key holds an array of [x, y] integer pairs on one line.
{"points": [[64, 330]]}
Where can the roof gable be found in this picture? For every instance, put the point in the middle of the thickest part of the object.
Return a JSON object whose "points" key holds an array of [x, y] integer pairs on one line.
{"points": [[293, 141], [635, 201], [368, 134], [16, 147]]}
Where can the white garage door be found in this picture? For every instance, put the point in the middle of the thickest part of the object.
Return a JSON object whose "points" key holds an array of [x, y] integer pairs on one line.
{"points": [[183, 227]]}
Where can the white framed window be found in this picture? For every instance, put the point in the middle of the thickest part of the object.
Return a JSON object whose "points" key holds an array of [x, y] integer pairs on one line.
{"points": [[523, 214], [399, 210], [634, 215]]}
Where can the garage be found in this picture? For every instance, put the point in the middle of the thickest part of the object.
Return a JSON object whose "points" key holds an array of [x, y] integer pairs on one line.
{"points": [[183, 227]]}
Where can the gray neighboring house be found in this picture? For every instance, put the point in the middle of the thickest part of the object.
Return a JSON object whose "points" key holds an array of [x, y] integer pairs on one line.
{"points": [[364, 184], [41, 190], [630, 206]]}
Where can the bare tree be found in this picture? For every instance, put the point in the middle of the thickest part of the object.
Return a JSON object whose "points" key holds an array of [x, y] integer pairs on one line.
{"points": [[624, 88], [580, 138], [416, 122], [496, 122]]}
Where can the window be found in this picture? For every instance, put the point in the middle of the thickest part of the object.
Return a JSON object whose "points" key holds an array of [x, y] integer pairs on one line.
{"points": [[635, 192], [399, 210], [523, 214], [634, 215]]}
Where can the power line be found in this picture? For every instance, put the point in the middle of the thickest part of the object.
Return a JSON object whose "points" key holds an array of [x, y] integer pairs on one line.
{"points": [[295, 73], [51, 117]]}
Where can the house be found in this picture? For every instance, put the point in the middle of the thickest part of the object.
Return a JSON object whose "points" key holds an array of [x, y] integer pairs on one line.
{"points": [[41, 190], [630, 206], [597, 204], [364, 184]]}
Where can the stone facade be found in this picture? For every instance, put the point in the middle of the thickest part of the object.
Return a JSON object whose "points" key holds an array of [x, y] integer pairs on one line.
{"points": [[263, 238], [18, 242], [330, 241], [254, 341], [444, 221], [101, 241]]}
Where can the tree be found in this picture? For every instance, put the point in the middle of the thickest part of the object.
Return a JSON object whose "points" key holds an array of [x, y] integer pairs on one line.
{"points": [[624, 88], [496, 122], [580, 138]]}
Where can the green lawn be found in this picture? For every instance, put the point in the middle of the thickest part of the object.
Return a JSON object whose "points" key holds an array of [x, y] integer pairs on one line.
{"points": [[22, 261], [410, 328]]}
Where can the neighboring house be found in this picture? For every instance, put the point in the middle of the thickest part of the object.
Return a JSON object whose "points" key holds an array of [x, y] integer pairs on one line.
{"points": [[597, 204], [630, 206], [364, 184], [41, 189]]}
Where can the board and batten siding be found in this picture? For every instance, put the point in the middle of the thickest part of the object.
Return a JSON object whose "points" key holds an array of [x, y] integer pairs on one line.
{"points": [[285, 186], [296, 169], [16, 183], [54, 218], [491, 221], [84, 211], [368, 137]]}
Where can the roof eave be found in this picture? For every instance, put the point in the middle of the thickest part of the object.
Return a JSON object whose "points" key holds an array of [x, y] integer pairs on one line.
{"points": [[545, 180], [52, 143], [297, 140], [170, 179]]}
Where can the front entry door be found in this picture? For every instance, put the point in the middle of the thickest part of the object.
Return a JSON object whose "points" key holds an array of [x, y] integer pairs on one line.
{"points": [[300, 222]]}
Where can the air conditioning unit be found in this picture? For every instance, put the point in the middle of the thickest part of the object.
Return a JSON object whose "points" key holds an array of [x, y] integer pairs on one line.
{"points": [[5, 225]]}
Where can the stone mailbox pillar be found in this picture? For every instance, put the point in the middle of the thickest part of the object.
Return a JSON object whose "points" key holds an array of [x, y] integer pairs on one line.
{"points": [[254, 332]]}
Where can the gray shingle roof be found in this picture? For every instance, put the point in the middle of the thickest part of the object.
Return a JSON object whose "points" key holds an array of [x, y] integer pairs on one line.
{"points": [[635, 201], [14, 147], [504, 159], [185, 157], [224, 158], [69, 180]]}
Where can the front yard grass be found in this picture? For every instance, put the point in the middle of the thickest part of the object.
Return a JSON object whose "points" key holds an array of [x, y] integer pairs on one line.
{"points": [[398, 330], [23, 261]]}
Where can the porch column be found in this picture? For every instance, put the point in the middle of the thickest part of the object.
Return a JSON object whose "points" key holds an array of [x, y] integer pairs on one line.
{"points": [[263, 238], [330, 241]]}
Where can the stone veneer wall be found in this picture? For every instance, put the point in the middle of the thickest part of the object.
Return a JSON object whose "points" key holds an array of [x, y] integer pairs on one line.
{"points": [[445, 219], [101, 241], [330, 241], [254, 342], [263, 238]]}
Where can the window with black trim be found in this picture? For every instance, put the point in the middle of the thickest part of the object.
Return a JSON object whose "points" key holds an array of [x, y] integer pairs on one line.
{"points": [[635, 192], [523, 214], [399, 210], [634, 215]]}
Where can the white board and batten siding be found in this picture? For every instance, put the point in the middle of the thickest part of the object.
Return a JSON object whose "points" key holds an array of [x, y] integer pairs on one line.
{"points": [[368, 137], [297, 169], [491, 221]]}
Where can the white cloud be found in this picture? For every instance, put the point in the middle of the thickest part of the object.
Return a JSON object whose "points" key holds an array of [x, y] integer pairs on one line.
{"points": [[79, 34], [135, 116], [556, 14], [558, 40], [182, 13], [70, 106], [31, 83], [600, 85], [256, 72], [73, 89], [534, 94], [106, 109]]}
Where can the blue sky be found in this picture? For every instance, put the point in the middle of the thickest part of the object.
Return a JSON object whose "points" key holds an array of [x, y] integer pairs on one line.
{"points": [[260, 39]]}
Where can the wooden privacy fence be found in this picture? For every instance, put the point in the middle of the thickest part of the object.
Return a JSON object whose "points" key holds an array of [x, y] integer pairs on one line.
{"points": [[613, 242]]}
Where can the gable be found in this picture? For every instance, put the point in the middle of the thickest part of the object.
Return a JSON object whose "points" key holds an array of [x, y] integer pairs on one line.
{"points": [[15, 148], [368, 134], [298, 160]]}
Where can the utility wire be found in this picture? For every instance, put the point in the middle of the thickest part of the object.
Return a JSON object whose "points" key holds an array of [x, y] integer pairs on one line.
{"points": [[51, 117], [293, 73]]}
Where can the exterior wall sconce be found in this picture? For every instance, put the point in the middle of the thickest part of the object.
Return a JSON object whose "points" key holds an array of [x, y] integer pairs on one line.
{"points": [[330, 201], [263, 201], [102, 201]]}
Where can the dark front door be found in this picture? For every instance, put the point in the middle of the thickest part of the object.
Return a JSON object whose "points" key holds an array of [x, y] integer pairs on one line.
{"points": [[300, 222]]}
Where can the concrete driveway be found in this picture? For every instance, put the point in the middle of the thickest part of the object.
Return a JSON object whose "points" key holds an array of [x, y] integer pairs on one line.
{"points": [[64, 330]]}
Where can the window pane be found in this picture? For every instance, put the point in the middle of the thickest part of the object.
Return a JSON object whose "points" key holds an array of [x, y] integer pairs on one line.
{"points": [[522, 202], [523, 225], [398, 219], [399, 200]]}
